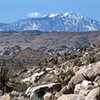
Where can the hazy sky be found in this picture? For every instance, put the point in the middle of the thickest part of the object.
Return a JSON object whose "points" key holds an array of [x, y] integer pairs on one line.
{"points": [[12, 10]]}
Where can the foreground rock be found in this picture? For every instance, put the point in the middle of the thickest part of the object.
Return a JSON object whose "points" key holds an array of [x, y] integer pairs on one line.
{"points": [[49, 96], [71, 97], [76, 79], [18, 96], [94, 94], [33, 77], [37, 93], [83, 94], [92, 71], [6, 97]]}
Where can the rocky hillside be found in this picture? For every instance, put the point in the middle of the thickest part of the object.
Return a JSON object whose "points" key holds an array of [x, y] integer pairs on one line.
{"points": [[23, 60], [69, 77], [69, 21]]}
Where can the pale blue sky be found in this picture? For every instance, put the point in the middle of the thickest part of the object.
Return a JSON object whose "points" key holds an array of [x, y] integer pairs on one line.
{"points": [[12, 10]]}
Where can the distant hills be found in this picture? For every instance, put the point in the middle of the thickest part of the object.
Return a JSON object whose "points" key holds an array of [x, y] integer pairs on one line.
{"points": [[12, 42], [69, 21]]}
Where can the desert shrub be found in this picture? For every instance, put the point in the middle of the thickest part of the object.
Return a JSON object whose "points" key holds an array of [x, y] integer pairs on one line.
{"points": [[40, 65], [73, 56], [15, 75], [8, 81], [46, 62], [4, 79], [20, 87], [92, 59], [65, 58], [55, 61], [90, 49], [64, 77], [4, 76]]}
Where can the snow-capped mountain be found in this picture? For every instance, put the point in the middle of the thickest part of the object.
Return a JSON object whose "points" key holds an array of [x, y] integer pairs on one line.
{"points": [[54, 22]]}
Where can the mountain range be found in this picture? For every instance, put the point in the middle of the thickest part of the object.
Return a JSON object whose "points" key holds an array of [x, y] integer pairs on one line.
{"points": [[69, 21]]}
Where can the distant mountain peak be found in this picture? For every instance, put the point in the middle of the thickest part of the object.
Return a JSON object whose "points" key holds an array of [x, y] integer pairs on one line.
{"points": [[53, 15], [68, 21], [67, 13]]}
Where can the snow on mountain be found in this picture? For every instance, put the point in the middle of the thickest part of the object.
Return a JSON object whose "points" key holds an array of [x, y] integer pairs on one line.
{"points": [[53, 15], [54, 22], [90, 28], [66, 13]]}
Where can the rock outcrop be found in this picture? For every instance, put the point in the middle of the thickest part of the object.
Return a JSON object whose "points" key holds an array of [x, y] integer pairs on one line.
{"points": [[71, 97], [60, 79], [37, 93]]}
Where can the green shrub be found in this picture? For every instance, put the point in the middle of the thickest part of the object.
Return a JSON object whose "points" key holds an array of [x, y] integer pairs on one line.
{"points": [[20, 87], [55, 61], [45, 62], [40, 65], [73, 56], [8, 82], [92, 59], [90, 49], [4, 78], [64, 77], [65, 58], [14, 76]]}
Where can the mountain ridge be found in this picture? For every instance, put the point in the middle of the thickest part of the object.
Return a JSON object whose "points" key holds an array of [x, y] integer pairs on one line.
{"points": [[69, 21]]}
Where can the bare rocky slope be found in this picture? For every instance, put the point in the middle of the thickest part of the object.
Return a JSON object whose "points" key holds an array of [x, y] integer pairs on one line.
{"points": [[72, 77]]}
